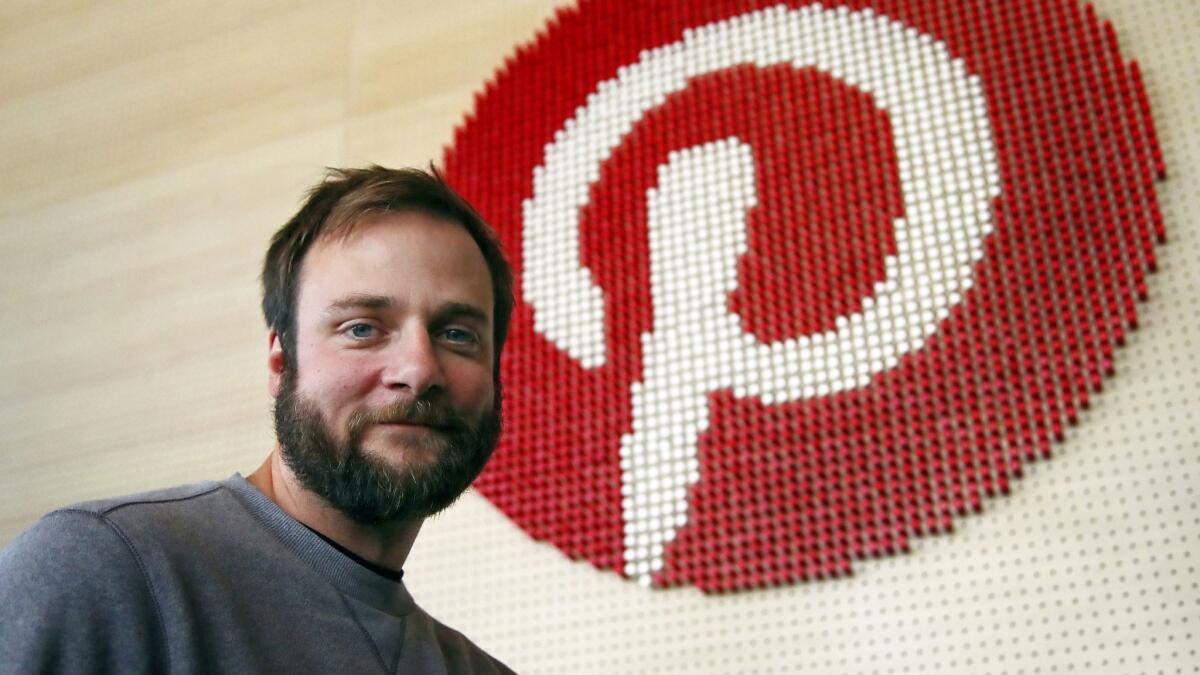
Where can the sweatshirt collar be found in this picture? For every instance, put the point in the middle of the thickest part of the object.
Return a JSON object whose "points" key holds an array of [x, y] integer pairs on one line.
{"points": [[345, 574]]}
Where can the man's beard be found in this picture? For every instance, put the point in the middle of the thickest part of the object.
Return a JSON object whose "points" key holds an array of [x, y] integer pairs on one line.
{"points": [[366, 488]]}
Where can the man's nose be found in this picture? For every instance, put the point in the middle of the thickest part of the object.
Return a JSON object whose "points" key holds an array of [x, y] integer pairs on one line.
{"points": [[412, 363]]}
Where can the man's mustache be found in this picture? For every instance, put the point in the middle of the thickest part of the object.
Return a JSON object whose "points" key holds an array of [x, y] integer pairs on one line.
{"points": [[421, 411]]}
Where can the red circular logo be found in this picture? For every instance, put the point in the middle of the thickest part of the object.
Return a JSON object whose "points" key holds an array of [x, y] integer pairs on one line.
{"points": [[798, 282]]}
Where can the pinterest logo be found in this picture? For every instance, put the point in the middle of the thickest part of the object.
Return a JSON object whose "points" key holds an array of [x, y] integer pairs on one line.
{"points": [[796, 283]]}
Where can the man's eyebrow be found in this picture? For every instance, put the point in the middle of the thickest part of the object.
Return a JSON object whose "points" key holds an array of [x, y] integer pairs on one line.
{"points": [[462, 310], [360, 301], [457, 310]]}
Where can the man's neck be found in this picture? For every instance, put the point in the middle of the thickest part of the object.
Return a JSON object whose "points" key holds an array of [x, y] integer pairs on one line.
{"points": [[386, 545]]}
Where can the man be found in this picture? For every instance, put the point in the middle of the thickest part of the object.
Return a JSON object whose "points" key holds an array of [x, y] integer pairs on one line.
{"points": [[387, 300]]}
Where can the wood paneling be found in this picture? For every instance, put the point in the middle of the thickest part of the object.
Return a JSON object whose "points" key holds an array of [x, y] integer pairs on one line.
{"points": [[147, 152]]}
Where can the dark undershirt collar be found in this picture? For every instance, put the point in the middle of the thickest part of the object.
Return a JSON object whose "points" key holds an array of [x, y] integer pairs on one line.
{"points": [[385, 572]]}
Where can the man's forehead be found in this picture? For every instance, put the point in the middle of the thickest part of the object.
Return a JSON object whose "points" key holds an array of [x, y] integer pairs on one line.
{"points": [[388, 258], [398, 229], [349, 226]]}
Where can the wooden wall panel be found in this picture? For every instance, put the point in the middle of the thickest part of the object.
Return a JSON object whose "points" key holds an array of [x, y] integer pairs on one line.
{"points": [[147, 152], [414, 72]]}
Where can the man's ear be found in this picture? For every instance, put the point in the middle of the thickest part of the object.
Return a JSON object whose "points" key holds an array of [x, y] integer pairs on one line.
{"points": [[276, 363]]}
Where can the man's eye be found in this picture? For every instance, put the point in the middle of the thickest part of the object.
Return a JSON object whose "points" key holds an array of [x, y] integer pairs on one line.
{"points": [[360, 331], [459, 335]]}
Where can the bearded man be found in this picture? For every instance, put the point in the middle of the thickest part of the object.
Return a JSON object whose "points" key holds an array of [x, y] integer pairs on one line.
{"points": [[387, 300]]}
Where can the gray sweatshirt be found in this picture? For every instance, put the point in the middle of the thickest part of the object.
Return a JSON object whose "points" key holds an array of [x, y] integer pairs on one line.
{"points": [[207, 578]]}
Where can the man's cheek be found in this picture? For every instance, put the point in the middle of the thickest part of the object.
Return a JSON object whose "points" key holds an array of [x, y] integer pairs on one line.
{"points": [[337, 384]]}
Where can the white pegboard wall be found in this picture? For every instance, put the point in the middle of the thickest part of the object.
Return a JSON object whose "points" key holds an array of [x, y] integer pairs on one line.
{"points": [[1088, 566]]}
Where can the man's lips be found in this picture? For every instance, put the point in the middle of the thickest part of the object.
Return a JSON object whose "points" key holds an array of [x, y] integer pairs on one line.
{"points": [[412, 424]]}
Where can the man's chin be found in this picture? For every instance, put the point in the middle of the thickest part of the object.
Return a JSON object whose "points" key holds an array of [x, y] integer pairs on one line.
{"points": [[380, 472], [399, 445]]}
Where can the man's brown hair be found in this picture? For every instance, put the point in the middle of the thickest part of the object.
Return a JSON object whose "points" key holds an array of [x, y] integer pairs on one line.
{"points": [[338, 203]]}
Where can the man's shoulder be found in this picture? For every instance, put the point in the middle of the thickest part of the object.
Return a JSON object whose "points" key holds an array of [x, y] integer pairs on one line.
{"points": [[145, 502], [89, 581], [143, 515], [160, 496]]}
